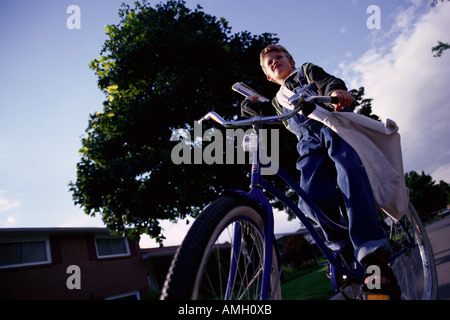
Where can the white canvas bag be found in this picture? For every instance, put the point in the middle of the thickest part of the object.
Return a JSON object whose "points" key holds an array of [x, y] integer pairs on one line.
{"points": [[378, 146]]}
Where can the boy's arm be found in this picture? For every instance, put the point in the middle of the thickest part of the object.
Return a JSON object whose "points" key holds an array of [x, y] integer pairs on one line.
{"points": [[251, 108], [328, 85]]}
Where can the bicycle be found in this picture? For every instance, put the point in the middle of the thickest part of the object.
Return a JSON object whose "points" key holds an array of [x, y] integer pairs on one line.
{"points": [[230, 251]]}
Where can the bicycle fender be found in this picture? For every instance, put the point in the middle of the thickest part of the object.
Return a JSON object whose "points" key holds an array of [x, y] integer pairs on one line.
{"points": [[239, 194]]}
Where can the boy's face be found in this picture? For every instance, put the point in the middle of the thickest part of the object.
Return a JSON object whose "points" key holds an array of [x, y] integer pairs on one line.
{"points": [[278, 66]]}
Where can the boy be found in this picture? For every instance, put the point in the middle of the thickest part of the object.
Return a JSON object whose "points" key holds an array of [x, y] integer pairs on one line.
{"points": [[329, 167]]}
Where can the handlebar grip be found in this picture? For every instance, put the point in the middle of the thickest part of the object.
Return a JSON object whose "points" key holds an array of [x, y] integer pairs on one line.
{"points": [[334, 100]]}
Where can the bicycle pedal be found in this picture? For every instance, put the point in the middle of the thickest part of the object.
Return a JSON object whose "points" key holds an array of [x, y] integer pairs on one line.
{"points": [[377, 296]]}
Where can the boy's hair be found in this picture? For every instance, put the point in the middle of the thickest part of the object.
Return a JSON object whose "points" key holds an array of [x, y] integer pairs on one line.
{"points": [[273, 48]]}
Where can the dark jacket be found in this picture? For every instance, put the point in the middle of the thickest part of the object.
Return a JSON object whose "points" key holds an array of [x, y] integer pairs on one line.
{"points": [[323, 83]]}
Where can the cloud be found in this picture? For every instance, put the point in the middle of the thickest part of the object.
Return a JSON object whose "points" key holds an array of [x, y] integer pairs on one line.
{"points": [[7, 222], [410, 86], [7, 205], [10, 220]]}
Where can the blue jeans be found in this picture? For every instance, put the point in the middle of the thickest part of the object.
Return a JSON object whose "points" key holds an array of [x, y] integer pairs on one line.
{"points": [[331, 171]]}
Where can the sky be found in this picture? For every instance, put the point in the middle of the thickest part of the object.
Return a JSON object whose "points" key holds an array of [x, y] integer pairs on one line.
{"points": [[47, 90]]}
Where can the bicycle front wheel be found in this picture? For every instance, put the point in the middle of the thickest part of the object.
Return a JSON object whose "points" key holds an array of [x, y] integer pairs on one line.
{"points": [[222, 256]]}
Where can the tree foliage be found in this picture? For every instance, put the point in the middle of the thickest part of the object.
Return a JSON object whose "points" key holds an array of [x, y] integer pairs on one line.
{"points": [[161, 68], [439, 49], [427, 196], [434, 3], [362, 105]]}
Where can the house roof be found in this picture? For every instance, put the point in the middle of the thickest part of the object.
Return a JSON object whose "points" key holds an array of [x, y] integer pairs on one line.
{"points": [[168, 251], [158, 252], [27, 232]]}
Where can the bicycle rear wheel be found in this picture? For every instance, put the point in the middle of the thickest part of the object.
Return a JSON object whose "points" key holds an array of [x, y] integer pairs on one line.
{"points": [[413, 262], [222, 256]]}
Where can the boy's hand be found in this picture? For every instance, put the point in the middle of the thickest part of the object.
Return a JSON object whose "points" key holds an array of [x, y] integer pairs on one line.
{"points": [[345, 99], [252, 98]]}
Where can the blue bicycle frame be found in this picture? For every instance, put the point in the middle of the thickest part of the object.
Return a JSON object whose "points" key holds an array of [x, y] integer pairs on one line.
{"points": [[257, 195]]}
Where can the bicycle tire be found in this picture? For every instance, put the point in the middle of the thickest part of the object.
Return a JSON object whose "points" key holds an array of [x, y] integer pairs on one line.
{"points": [[187, 275], [414, 269]]}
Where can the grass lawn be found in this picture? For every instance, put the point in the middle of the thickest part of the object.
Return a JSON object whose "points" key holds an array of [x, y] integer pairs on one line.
{"points": [[309, 284]]}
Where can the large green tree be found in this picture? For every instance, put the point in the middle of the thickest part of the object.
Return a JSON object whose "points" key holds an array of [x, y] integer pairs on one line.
{"points": [[161, 68]]}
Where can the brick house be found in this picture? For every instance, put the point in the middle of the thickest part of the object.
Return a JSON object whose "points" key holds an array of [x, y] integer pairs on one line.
{"points": [[35, 263]]}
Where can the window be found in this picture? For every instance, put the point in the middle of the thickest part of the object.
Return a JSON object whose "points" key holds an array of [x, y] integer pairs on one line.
{"points": [[16, 253], [112, 247]]}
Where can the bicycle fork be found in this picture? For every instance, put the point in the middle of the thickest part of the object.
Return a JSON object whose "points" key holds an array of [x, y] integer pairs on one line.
{"points": [[237, 246], [256, 194]]}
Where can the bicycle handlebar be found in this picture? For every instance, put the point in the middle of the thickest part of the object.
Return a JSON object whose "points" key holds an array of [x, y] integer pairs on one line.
{"points": [[296, 100]]}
